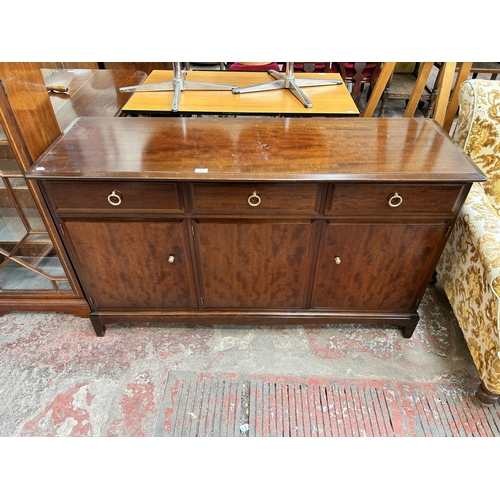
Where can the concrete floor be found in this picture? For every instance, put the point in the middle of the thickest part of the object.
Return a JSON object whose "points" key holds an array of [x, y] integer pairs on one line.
{"points": [[58, 379]]}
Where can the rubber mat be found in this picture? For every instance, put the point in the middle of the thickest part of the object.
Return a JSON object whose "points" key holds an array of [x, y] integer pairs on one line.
{"points": [[228, 405]]}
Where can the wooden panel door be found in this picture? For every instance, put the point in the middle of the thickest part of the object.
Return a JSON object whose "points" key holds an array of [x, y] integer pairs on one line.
{"points": [[134, 264], [254, 264], [375, 266]]}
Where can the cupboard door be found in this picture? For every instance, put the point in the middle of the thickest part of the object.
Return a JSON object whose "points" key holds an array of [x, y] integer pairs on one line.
{"points": [[373, 266], [134, 264], [254, 264]]}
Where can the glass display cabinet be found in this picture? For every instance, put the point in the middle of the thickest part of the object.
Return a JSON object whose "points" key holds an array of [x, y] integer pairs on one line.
{"points": [[35, 274], [28, 260]]}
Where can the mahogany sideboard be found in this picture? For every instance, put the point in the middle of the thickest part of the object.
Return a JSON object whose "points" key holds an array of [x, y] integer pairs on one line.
{"points": [[254, 220]]}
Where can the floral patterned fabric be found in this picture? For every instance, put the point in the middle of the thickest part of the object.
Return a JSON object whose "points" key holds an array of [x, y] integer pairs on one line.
{"points": [[469, 268]]}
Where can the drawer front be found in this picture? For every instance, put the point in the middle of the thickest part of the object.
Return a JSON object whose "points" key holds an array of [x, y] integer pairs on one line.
{"points": [[116, 197], [392, 199], [256, 198]]}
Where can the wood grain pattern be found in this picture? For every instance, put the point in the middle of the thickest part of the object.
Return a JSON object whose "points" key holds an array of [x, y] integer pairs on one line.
{"points": [[445, 78], [273, 198], [256, 265], [137, 197], [382, 266], [126, 263], [256, 149], [28, 98], [366, 199], [327, 100]]}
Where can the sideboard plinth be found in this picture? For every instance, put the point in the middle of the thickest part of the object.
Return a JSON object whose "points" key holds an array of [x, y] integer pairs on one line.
{"points": [[406, 321]]}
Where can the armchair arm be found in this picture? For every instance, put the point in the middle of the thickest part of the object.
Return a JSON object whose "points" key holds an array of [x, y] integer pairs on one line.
{"points": [[484, 226], [484, 223]]}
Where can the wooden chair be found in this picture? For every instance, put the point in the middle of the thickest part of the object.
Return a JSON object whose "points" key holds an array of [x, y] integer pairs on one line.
{"points": [[446, 103], [358, 74], [400, 86]]}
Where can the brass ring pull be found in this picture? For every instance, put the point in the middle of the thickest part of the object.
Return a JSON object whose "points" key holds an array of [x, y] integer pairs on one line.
{"points": [[115, 198], [395, 200], [254, 199], [171, 259]]}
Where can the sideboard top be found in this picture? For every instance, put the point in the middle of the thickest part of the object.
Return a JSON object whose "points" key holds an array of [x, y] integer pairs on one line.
{"points": [[257, 148]]}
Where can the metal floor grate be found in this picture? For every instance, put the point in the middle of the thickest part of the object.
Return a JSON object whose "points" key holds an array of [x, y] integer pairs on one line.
{"points": [[229, 405]]}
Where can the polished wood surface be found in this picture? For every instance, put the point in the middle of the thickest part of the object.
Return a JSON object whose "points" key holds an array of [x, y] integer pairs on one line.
{"points": [[363, 199], [218, 197], [395, 256], [255, 220], [90, 92], [327, 100], [140, 249], [30, 104], [161, 197], [272, 257], [251, 148], [41, 115], [485, 396]]}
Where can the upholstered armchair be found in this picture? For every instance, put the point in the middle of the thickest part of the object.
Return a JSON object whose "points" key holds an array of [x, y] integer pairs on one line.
{"points": [[469, 269]]}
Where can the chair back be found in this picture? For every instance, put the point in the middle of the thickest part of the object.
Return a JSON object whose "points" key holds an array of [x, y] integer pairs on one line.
{"points": [[357, 74], [312, 67], [254, 66]]}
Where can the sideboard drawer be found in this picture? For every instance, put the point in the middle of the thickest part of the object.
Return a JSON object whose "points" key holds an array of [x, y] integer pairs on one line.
{"points": [[255, 198], [391, 199], [112, 196]]}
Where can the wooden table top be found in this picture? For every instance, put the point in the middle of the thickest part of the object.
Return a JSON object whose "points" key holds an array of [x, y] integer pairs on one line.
{"points": [[257, 149], [91, 92], [327, 100]]}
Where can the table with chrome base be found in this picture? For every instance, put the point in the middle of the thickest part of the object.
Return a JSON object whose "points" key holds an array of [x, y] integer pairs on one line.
{"points": [[329, 100]]}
